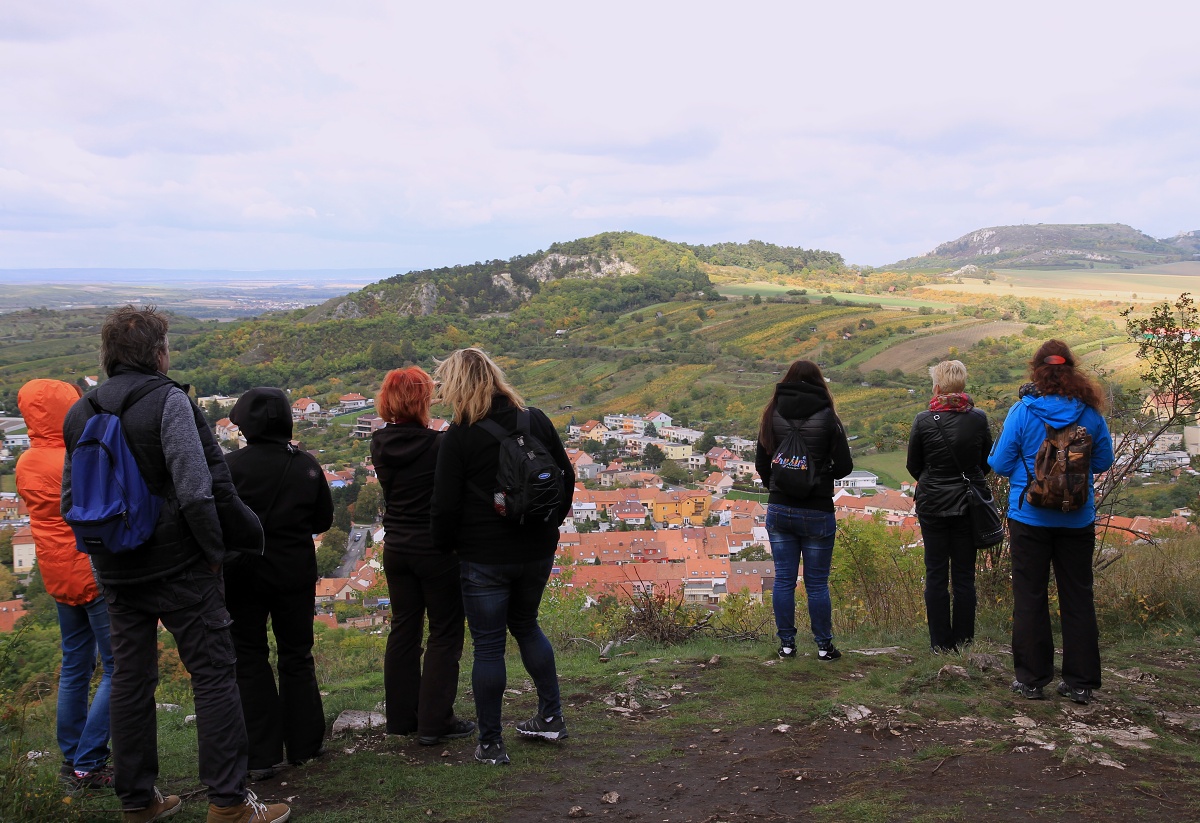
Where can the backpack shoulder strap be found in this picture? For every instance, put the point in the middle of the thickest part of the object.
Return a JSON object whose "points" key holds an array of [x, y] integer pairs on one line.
{"points": [[149, 386], [493, 428]]}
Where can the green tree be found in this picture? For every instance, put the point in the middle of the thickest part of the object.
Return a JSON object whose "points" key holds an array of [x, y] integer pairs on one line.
{"points": [[369, 506], [6, 549], [673, 473], [331, 551], [755, 551], [757, 299], [653, 456], [8, 582], [706, 442]]}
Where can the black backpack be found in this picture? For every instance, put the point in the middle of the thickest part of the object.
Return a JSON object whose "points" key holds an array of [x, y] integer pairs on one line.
{"points": [[793, 471], [529, 484]]}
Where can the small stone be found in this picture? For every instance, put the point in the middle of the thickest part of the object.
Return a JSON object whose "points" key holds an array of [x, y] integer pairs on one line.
{"points": [[189, 720], [167, 707], [782, 728], [714, 660], [953, 672], [610, 797], [855, 713], [578, 812], [984, 662], [356, 720]]}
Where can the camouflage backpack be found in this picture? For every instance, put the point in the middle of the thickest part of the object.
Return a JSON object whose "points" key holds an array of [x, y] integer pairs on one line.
{"points": [[1062, 469]]}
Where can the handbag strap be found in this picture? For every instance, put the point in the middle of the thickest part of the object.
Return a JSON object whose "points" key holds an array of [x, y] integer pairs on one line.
{"points": [[937, 424]]}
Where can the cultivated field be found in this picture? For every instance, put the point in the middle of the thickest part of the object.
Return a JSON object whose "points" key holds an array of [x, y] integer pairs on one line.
{"points": [[912, 356], [746, 290], [1148, 285]]}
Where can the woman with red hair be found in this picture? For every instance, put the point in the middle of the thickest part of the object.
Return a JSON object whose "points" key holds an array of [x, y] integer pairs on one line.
{"points": [[421, 581], [1064, 402]]}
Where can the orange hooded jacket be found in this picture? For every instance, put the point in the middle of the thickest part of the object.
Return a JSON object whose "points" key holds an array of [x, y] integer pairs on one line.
{"points": [[66, 571]]}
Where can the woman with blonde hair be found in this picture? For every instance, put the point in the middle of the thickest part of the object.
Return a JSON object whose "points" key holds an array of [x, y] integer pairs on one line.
{"points": [[1064, 403], [422, 582], [504, 564], [949, 441]]}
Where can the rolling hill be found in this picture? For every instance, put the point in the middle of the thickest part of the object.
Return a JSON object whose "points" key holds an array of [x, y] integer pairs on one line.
{"points": [[1050, 246]]}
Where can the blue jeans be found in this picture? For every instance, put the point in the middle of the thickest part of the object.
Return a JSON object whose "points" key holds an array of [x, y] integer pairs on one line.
{"points": [[497, 596], [83, 730], [801, 534]]}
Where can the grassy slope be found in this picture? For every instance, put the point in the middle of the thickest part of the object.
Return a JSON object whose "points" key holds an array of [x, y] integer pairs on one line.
{"points": [[686, 700], [888, 465]]}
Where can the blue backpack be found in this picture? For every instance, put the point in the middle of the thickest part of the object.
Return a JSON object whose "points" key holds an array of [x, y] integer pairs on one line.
{"points": [[112, 508]]}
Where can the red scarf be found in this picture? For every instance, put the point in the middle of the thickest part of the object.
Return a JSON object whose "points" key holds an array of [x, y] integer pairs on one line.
{"points": [[960, 402]]}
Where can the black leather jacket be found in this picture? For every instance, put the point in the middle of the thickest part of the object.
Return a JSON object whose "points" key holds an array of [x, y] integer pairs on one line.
{"points": [[941, 491]]}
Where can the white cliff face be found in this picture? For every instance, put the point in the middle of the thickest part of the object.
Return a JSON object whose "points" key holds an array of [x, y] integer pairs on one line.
{"points": [[555, 266]]}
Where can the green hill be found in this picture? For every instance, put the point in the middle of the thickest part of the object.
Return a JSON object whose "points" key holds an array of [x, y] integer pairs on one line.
{"points": [[1049, 246]]}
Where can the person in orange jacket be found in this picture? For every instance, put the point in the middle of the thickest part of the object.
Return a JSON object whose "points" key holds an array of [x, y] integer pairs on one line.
{"points": [[83, 730]]}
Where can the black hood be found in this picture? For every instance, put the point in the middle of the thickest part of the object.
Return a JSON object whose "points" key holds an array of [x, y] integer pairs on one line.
{"points": [[397, 445], [264, 416], [794, 401]]}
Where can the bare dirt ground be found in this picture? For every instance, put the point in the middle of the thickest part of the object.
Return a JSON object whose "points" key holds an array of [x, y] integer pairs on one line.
{"points": [[1130, 755]]}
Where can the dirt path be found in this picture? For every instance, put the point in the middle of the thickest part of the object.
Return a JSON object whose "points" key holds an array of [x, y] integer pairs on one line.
{"points": [[761, 775]]}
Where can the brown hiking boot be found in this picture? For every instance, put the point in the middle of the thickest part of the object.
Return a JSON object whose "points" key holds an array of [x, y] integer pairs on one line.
{"points": [[249, 811], [157, 810]]}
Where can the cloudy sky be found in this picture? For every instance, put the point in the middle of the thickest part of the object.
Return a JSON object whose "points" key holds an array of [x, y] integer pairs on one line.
{"points": [[380, 133]]}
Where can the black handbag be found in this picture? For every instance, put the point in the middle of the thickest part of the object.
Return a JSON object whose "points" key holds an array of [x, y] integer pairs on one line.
{"points": [[986, 526]]}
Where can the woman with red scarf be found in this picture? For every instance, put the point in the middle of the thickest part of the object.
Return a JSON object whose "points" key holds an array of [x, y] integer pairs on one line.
{"points": [[948, 441]]}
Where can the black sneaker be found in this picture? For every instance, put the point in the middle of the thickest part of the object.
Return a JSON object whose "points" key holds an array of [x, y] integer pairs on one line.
{"points": [[829, 652], [255, 775], [492, 754], [1081, 696], [547, 728], [459, 728], [66, 775], [97, 779], [1028, 692], [786, 651]]}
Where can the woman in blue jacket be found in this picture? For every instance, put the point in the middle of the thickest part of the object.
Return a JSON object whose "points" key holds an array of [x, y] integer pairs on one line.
{"points": [[1060, 395]]}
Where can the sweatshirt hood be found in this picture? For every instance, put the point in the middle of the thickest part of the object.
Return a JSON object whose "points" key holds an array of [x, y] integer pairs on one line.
{"points": [[398, 444], [263, 415], [796, 400], [1055, 410], [44, 404]]}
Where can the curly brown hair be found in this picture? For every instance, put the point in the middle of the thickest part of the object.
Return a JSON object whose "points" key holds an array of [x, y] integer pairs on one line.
{"points": [[1065, 379]]}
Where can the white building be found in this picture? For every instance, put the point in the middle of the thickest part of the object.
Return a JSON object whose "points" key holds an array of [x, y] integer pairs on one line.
{"points": [[857, 479]]}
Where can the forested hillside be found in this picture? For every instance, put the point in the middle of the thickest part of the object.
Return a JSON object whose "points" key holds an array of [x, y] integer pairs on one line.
{"points": [[618, 322]]}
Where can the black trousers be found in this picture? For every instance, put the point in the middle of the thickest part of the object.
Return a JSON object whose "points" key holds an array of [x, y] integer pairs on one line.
{"points": [[290, 715], [949, 560], [420, 693], [191, 606], [1035, 549]]}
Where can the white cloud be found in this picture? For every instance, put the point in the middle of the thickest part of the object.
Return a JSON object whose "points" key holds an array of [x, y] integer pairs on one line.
{"points": [[378, 134]]}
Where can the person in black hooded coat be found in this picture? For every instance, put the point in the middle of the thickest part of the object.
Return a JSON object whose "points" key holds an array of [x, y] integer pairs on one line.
{"points": [[286, 488], [802, 527], [419, 685]]}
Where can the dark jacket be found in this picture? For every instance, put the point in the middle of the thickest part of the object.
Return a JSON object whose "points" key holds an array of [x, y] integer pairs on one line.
{"points": [[405, 457], [202, 516], [941, 491], [808, 408], [284, 486], [464, 520]]}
